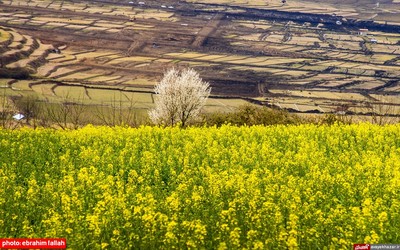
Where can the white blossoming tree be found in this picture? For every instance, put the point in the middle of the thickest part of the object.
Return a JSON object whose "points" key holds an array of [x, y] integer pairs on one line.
{"points": [[180, 96]]}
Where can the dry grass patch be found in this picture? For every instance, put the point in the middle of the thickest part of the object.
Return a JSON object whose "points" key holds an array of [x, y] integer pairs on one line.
{"points": [[61, 71], [79, 76], [387, 40], [129, 89], [45, 69], [125, 60], [238, 44], [251, 37], [138, 28], [140, 97], [22, 85], [280, 47], [293, 73], [106, 96], [76, 27], [296, 49], [36, 23], [303, 41], [4, 83], [230, 36], [109, 25], [305, 108], [73, 93], [162, 60], [223, 105], [230, 58], [54, 24], [211, 57], [328, 63], [162, 16], [4, 35], [26, 47], [280, 60], [114, 30], [75, 7], [191, 55], [176, 54], [254, 25], [99, 10], [389, 17], [56, 5], [377, 67], [131, 25], [54, 56], [140, 81], [369, 85], [256, 69], [44, 89], [386, 98], [197, 64], [63, 20], [335, 83], [141, 65], [274, 38], [4, 14], [382, 57], [90, 54], [108, 79], [92, 28], [17, 37], [5, 19], [331, 95], [37, 53], [350, 65], [18, 21], [385, 48], [66, 58]]}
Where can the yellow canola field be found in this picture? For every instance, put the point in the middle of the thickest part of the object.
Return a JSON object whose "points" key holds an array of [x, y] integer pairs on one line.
{"points": [[277, 187]]}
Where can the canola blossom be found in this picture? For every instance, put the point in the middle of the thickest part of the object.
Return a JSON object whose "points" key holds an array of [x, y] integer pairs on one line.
{"points": [[277, 187]]}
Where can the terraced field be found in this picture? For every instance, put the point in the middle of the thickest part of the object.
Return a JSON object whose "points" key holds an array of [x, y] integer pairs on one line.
{"points": [[302, 56]]}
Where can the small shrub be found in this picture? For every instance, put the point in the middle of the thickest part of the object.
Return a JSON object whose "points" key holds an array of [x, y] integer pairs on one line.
{"points": [[252, 115]]}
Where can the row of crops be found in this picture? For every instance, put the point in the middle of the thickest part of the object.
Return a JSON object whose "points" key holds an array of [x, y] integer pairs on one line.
{"points": [[258, 187]]}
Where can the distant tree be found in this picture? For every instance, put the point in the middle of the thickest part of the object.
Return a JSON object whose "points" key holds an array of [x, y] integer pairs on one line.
{"points": [[382, 110], [7, 109], [250, 115], [66, 114], [180, 97], [29, 106], [119, 113]]}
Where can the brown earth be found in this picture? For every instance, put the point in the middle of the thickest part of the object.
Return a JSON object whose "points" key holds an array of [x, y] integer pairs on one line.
{"points": [[227, 31]]}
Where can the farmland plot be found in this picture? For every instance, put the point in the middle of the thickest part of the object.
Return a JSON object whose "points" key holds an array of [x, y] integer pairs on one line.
{"points": [[123, 45], [152, 187]]}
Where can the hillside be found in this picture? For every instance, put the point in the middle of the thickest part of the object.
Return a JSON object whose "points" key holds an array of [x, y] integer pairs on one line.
{"points": [[302, 56]]}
